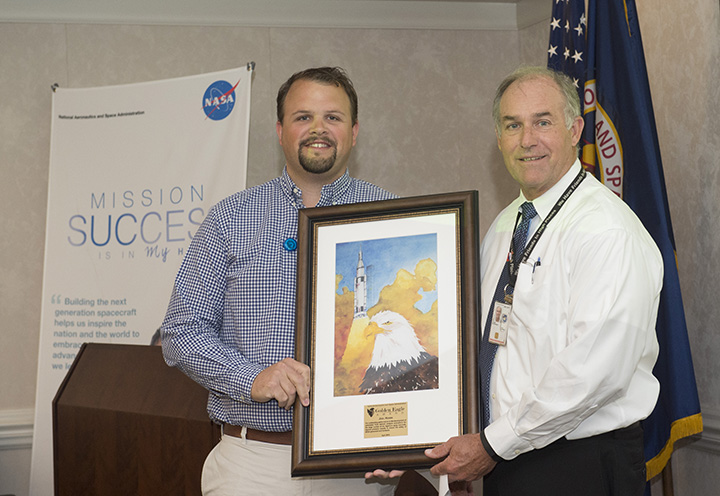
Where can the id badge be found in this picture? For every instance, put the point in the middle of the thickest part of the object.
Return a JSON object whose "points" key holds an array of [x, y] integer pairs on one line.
{"points": [[499, 324]]}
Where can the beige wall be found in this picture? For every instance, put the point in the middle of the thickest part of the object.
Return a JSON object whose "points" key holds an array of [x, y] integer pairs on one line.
{"points": [[425, 127], [425, 98]]}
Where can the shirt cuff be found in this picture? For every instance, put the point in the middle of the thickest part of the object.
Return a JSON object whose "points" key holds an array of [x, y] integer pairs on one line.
{"points": [[488, 449], [506, 444], [244, 380]]}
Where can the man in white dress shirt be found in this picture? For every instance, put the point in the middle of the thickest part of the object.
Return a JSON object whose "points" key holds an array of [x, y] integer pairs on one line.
{"points": [[572, 376]]}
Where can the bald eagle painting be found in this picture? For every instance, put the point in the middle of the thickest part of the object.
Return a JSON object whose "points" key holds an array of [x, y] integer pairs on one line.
{"points": [[399, 362]]}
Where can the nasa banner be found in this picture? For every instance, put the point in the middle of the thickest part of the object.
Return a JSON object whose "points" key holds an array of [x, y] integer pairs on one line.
{"points": [[133, 170]]}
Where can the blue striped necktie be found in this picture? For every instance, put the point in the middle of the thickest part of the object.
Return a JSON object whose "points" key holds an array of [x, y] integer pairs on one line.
{"points": [[488, 349]]}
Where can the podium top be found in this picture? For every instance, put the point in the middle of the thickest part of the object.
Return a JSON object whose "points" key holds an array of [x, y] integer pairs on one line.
{"points": [[130, 379]]}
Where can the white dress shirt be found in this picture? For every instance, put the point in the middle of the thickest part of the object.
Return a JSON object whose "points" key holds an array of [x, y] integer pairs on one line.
{"points": [[581, 343]]}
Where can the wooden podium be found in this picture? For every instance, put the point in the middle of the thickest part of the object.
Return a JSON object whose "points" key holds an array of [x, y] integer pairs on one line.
{"points": [[126, 423]]}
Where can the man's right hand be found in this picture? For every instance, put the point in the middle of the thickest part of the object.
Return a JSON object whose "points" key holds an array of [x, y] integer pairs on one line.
{"points": [[283, 381], [463, 458]]}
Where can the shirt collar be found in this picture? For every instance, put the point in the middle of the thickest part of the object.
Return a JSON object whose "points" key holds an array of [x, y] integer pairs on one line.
{"points": [[545, 202], [331, 194], [288, 187]]}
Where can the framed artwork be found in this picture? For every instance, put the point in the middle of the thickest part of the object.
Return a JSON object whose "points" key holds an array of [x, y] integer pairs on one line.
{"points": [[387, 320]]}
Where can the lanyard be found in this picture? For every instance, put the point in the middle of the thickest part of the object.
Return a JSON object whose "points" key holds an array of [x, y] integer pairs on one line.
{"points": [[515, 266]]}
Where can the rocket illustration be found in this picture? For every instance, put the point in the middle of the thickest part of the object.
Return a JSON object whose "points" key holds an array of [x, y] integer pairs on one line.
{"points": [[360, 289]]}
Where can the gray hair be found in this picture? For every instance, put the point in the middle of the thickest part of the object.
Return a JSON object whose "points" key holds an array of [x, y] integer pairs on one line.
{"points": [[525, 73]]}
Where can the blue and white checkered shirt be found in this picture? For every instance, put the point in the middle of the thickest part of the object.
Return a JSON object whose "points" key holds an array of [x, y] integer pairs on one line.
{"points": [[232, 310]]}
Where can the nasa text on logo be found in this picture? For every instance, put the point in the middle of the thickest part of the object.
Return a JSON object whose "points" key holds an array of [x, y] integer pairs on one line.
{"points": [[219, 100]]}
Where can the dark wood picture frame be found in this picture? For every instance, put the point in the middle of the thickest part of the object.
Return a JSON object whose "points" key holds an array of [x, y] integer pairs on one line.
{"points": [[464, 207]]}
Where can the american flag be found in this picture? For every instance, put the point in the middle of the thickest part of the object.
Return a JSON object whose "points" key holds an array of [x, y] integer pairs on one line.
{"points": [[566, 49], [611, 60]]}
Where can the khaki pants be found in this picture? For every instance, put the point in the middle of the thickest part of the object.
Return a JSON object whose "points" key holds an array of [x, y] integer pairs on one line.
{"points": [[244, 467]]}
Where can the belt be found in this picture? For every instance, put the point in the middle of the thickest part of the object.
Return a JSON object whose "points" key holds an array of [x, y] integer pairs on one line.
{"points": [[256, 435]]}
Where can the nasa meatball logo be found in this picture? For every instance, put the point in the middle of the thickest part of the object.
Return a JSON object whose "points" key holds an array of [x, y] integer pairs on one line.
{"points": [[219, 100]]}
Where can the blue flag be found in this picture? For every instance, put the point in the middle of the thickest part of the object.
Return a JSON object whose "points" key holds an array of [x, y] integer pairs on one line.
{"points": [[566, 50], [620, 146]]}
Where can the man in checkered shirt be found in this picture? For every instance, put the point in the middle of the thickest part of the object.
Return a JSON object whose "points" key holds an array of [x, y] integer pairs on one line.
{"points": [[231, 318]]}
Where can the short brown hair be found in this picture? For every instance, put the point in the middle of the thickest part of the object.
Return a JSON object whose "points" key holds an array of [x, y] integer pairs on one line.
{"points": [[323, 75]]}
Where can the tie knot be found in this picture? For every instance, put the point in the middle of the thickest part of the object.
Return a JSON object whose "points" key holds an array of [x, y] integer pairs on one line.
{"points": [[528, 210]]}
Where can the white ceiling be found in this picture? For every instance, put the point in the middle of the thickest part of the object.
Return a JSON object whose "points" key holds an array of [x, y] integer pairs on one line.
{"points": [[410, 14]]}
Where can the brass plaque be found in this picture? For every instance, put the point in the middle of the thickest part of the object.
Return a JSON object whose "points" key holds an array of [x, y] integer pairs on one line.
{"points": [[386, 420]]}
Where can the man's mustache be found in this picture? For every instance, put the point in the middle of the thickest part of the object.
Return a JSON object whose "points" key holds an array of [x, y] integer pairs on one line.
{"points": [[327, 140]]}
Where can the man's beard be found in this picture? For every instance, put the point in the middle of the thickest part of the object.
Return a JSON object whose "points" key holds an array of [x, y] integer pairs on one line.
{"points": [[317, 165]]}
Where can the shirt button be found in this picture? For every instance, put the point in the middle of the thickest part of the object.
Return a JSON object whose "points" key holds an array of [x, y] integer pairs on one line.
{"points": [[517, 452], [290, 244], [493, 396]]}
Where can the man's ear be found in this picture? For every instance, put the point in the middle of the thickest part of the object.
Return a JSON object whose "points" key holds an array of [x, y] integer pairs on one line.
{"points": [[278, 130], [576, 129], [355, 129]]}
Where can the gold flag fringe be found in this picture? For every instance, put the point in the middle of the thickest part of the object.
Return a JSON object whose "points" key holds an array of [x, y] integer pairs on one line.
{"points": [[679, 429]]}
